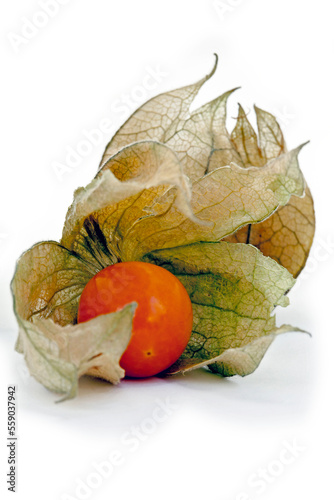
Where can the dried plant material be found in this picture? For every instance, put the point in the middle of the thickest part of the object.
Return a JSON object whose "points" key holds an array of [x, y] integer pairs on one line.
{"points": [[158, 119], [287, 235], [271, 140], [225, 200], [58, 356], [142, 171], [203, 144], [171, 185], [148, 218], [233, 289], [245, 142], [244, 360], [48, 283], [240, 361]]}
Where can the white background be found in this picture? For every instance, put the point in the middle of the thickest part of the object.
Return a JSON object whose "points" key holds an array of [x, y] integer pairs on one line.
{"points": [[71, 74]]}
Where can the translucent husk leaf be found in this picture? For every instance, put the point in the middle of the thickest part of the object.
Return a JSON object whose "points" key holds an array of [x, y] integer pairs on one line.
{"points": [[244, 360], [203, 144], [200, 139], [127, 189], [244, 139], [48, 282], [158, 119], [240, 361], [287, 235], [141, 218], [47, 285], [225, 200], [271, 140], [233, 289], [58, 356]]}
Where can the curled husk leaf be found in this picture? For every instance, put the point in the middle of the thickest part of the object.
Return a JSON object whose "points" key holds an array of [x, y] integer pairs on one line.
{"points": [[229, 214]]}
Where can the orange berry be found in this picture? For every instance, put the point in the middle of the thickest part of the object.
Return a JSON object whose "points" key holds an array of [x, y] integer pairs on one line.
{"points": [[162, 322]]}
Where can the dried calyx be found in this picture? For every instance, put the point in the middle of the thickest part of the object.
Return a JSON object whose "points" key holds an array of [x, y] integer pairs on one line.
{"points": [[228, 213]]}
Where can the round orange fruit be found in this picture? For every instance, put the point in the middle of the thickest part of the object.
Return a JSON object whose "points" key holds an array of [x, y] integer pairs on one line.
{"points": [[163, 319]]}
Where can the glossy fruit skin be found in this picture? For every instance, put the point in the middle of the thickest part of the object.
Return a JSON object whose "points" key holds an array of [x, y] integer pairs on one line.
{"points": [[163, 319]]}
